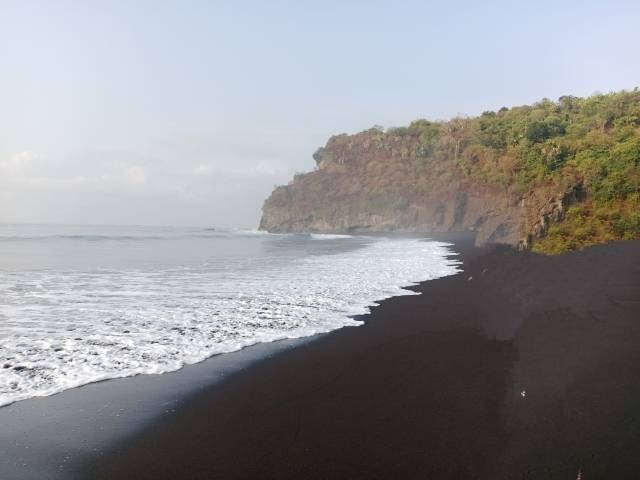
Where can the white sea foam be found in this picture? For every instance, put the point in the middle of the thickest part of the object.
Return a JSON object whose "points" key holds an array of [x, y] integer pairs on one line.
{"points": [[328, 236], [62, 328]]}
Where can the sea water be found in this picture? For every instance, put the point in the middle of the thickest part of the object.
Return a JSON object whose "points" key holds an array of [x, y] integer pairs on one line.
{"points": [[81, 304]]}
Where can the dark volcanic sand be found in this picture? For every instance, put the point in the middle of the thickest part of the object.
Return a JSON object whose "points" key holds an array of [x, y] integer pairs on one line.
{"points": [[430, 386]]}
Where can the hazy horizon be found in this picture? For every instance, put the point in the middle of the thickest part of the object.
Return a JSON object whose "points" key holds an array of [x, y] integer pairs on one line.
{"points": [[188, 113]]}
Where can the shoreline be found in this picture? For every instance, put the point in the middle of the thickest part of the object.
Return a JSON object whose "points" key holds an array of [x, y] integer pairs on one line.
{"points": [[50, 437], [175, 351], [520, 366], [97, 415], [428, 387]]}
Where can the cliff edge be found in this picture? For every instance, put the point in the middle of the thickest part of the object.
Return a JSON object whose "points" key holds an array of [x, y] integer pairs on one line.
{"points": [[556, 175]]}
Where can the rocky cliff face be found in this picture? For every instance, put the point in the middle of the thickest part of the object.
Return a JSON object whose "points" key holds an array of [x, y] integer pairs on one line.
{"points": [[376, 182]]}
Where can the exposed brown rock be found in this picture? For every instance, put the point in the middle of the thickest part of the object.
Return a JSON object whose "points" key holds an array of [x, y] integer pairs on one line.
{"points": [[375, 182]]}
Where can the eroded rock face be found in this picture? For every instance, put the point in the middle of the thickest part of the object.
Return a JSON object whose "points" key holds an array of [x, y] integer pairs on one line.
{"points": [[371, 182]]}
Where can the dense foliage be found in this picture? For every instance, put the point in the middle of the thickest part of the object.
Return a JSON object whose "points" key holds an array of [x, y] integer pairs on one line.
{"points": [[591, 142]]}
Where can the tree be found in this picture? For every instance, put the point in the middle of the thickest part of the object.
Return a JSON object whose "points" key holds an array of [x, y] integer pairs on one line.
{"points": [[455, 130]]}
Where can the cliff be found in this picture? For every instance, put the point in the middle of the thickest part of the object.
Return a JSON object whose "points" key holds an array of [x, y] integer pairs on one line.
{"points": [[511, 176]]}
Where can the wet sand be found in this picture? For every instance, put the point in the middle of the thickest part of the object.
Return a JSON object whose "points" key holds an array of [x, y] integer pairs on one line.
{"points": [[521, 366]]}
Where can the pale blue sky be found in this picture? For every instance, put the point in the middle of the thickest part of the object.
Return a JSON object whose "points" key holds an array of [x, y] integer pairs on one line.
{"points": [[188, 112]]}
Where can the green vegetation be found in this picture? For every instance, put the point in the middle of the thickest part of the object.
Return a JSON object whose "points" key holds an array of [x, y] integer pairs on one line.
{"points": [[590, 223], [592, 142]]}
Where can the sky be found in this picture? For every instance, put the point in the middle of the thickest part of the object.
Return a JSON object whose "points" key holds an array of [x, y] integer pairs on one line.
{"points": [[189, 112]]}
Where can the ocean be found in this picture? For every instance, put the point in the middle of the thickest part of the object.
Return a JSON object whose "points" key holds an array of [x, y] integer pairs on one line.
{"points": [[82, 304]]}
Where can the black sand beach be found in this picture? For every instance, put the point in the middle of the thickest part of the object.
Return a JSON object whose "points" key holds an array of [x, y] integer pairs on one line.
{"points": [[522, 366]]}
